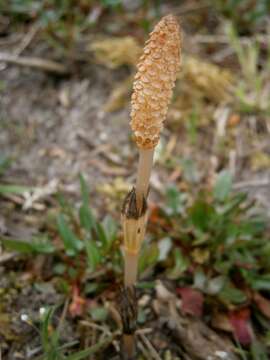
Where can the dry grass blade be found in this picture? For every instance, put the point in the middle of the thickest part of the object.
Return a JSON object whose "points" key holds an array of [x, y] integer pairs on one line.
{"points": [[38, 63], [150, 347]]}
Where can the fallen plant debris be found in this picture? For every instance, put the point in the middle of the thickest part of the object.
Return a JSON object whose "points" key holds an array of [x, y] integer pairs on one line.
{"points": [[41, 64], [115, 52]]}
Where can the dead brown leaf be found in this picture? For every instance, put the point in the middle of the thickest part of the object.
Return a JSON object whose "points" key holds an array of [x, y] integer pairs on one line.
{"points": [[221, 321], [260, 160], [263, 304]]}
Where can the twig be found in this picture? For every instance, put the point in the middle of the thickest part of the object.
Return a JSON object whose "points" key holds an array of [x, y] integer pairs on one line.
{"points": [[144, 331], [103, 329], [93, 341], [96, 274], [27, 40], [222, 54], [13, 39], [96, 327], [144, 351], [251, 184], [224, 39], [63, 315], [191, 7], [150, 347], [38, 63], [6, 257], [115, 315]]}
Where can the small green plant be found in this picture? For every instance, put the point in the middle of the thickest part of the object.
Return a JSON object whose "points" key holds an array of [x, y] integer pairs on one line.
{"points": [[5, 163], [49, 336], [246, 15], [219, 253], [81, 232], [251, 90], [52, 346], [62, 21], [225, 239], [36, 245], [86, 243]]}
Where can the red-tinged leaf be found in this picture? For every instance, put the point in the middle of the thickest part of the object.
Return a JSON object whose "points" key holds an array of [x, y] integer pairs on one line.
{"points": [[77, 305], [192, 301], [240, 321], [263, 304], [154, 214]]}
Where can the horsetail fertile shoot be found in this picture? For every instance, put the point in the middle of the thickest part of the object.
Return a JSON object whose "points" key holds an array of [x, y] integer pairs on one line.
{"points": [[152, 91]]}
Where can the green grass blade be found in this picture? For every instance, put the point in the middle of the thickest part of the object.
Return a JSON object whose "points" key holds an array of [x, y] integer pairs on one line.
{"points": [[14, 189], [42, 246], [72, 244], [93, 254], [84, 190], [5, 163], [17, 245], [223, 186]]}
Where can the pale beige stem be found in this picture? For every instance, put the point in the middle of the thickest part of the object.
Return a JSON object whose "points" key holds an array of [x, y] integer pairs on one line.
{"points": [[143, 175], [38, 63], [131, 268]]}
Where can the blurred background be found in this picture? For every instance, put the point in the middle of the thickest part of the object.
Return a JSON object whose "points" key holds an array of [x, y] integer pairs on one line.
{"points": [[66, 73]]}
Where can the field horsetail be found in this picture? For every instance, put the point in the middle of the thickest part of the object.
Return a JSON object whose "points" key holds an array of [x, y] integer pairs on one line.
{"points": [[152, 91]]}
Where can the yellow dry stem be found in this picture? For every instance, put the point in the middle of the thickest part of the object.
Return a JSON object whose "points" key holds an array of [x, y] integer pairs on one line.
{"points": [[154, 81], [134, 231]]}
